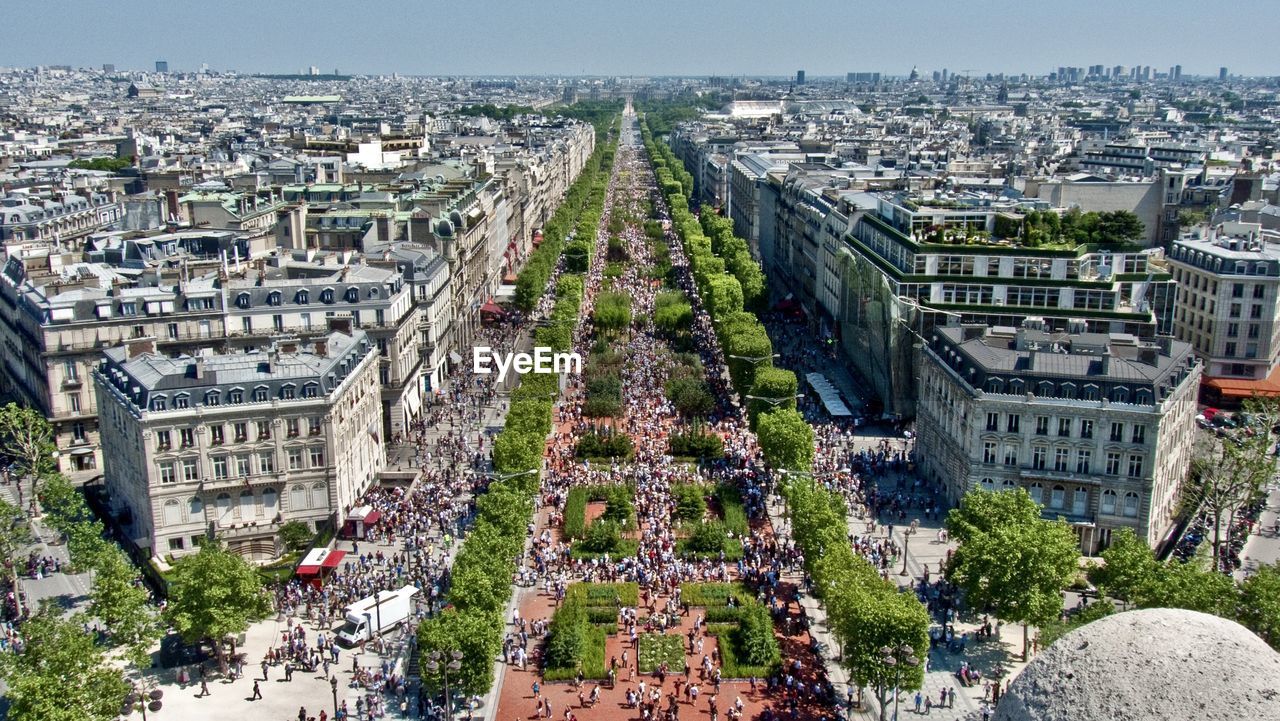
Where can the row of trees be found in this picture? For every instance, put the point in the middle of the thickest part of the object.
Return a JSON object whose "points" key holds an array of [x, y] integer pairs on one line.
{"points": [[578, 215], [212, 595], [481, 579], [730, 282], [1132, 575], [1011, 561], [865, 612]]}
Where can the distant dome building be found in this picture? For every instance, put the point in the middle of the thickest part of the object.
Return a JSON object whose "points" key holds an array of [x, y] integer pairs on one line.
{"points": [[1156, 664]]}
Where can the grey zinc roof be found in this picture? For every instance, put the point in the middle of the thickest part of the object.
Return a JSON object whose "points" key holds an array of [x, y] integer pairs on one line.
{"points": [[152, 373]]}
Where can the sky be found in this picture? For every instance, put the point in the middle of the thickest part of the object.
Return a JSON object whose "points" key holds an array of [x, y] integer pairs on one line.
{"points": [[640, 37]]}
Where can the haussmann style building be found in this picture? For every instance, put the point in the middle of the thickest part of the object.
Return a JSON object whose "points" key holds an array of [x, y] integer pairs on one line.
{"points": [[1097, 427], [234, 446]]}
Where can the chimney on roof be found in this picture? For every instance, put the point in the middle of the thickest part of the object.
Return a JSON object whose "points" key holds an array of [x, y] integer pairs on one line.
{"points": [[972, 331], [1106, 362], [1149, 355], [321, 347], [199, 368], [340, 324], [135, 347]]}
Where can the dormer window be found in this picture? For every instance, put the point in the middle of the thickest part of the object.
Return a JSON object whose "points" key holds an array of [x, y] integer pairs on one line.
{"points": [[303, 297], [158, 403], [128, 309], [260, 393], [273, 298], [242, 300], [212, 398], [235, 396], [326, 295], [182, 401], [373, 292], [310, 390], [287, 391], [353, 294]]}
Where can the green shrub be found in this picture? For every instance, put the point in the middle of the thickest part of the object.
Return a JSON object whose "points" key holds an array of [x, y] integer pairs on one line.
{"points": [[575, 513], [618, 507], [711, 594], [605, 444], [602, 537], [731, 508], [707, 538], [696, 445], [690, 504]]}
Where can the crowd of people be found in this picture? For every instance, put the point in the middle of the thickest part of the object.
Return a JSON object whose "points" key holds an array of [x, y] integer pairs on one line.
{"points": [[649, 419]]}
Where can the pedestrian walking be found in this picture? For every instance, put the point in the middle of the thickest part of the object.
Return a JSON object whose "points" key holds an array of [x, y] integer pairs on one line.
{"points": [[257, 692]]}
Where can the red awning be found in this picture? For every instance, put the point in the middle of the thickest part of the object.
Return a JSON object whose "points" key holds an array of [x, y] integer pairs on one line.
{"points": [[1239, 388], [320, 559], [492, 309], [372, 518]]}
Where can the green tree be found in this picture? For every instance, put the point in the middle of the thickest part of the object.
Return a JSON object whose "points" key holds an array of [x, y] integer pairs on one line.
{"points": [[1131, 568], [109, 164], [295, 535], [1056, 629], [60, 675], [1010, 559], [603, 537], [1260, 604], [1185, 585], [1227, 477], [707, 537], [214, 594], [723, 296], [476, 634], [874, 618], [122, 603], [775, 383], [27, 438], [15, 534], [70, 515], [786, 439]]}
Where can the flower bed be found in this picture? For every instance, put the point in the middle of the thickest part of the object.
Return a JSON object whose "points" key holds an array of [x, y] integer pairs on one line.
{"points": [[657, 649]]}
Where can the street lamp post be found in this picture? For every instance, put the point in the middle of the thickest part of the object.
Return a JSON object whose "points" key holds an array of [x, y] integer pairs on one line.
{"points": [[774, 401], [436, 664], [755, 360], [896, 658], [906, 537], [333, 685]]}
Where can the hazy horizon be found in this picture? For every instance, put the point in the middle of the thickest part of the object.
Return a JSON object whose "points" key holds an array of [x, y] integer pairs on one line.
{"points": [[660, 37]]}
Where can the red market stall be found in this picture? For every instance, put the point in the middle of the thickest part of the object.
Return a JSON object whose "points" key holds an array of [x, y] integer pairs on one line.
{"points": [[360, 521], [319, 564]]}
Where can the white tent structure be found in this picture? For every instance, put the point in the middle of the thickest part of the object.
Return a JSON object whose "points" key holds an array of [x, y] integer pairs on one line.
{"points": [[829, 395]]}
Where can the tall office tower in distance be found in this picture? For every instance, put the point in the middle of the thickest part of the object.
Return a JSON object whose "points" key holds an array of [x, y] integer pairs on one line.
{"points": [[799, 77], [108, 68], [1222, 73], [162, 66]]}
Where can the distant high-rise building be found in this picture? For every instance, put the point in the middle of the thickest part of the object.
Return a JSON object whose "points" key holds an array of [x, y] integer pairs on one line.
{"points": [[1222, 73], [108, 68], [945, 75], [162, 66], [862, 77], [938, 77], [313, 70], [1118, 72], [1177, 72], [799, 77]]}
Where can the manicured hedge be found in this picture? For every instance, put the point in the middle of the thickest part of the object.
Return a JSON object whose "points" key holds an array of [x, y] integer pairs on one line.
{"points": [[482, 571]]}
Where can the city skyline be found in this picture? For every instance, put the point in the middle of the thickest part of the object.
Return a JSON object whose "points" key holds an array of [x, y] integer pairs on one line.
{"points": [[655, 38]]}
